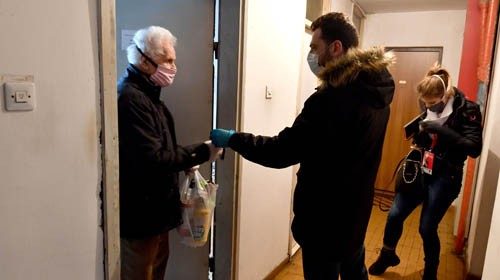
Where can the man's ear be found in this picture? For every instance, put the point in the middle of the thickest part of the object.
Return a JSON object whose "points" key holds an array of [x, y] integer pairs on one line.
{"points": [[143, 62], [336, 49], [144, 65]]}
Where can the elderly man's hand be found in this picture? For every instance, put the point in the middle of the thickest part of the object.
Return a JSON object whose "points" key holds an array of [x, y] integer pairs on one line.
{"points": [[191, 170], [215, 152]]}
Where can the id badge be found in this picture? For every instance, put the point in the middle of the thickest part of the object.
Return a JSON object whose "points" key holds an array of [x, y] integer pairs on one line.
{"points": [[428, 162]]}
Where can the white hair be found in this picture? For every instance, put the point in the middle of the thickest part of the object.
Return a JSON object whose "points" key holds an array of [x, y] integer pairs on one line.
{"points": [[150, 41]]}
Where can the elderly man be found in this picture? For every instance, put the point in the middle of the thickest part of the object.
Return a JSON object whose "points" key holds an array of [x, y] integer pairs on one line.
{"points": [[150, 157]]}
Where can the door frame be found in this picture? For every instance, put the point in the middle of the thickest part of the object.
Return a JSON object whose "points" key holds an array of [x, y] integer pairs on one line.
{"points": [[229, 75], [229, 80], [109, 138], [418, 49]]}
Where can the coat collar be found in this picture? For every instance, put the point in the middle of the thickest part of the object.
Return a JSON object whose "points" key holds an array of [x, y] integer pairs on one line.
{"points": [[459, 100], [142, 81], [346, 69]]}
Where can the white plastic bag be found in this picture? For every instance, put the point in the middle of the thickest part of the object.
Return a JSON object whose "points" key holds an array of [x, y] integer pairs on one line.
{"points": [[198, 202]]}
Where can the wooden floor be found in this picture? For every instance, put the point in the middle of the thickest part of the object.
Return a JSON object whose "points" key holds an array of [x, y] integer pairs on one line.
{"points": [[409, 250]]}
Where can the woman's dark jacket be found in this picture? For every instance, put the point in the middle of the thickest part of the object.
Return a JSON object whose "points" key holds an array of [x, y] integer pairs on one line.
{"points": [[460, 136], [337, 139], [150, 159]]}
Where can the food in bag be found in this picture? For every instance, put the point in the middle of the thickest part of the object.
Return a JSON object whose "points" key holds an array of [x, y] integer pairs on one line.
{"points": [[198, 202]]}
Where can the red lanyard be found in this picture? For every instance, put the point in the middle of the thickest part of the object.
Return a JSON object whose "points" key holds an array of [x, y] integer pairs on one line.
{"points": [[434, 138]]}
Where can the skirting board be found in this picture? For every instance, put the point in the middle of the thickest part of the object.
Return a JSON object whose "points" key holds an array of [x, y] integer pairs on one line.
{"points": [[294, 250], [284, 263]]}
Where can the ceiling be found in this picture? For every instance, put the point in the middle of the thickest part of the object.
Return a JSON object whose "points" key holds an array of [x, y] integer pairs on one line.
{"points": [[394, 6]]}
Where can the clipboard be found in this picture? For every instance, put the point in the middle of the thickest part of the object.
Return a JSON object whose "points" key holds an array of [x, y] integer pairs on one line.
{"points": [[413, 126]]}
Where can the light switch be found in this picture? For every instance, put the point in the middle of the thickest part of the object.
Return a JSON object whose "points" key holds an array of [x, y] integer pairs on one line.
{"points": [[19, 96]]}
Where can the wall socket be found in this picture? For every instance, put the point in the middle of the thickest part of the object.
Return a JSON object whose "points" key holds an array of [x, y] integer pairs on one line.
{"points": [[269, 93]]}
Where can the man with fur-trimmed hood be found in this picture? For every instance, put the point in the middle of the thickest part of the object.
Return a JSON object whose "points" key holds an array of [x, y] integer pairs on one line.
{"points": [[337, 139]]}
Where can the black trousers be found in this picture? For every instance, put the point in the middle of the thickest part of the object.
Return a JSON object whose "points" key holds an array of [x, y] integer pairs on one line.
{"points": [[318, 266]]}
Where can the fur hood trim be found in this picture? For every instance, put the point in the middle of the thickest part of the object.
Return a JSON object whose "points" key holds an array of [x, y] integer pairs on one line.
{"points": [[347, 68]]}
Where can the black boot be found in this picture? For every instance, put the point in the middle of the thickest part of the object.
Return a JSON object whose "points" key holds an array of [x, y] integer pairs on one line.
{"points": [[430, 272], [385, 259]]}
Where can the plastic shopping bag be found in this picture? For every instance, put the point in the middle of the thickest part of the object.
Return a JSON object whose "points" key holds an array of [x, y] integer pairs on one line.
{"points": [[198, 202]]}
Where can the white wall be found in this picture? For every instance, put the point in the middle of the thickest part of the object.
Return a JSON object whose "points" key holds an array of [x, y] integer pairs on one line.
{"points": [[487, 177], [49, 164], [271, 57], [343, 6], [491, 268], [419, 29]]}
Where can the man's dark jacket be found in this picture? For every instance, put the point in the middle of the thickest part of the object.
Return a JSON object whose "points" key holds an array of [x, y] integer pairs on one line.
{"points": [[337, 139], [150, 159]]}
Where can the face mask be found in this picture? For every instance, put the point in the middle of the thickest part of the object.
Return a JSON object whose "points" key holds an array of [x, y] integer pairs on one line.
{"points": [[438, 107], [163, 76], [312, 60]]}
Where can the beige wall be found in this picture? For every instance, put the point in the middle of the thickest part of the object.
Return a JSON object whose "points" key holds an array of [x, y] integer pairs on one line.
{"points": [[419, 29], [271, 57], [50, 157], [343, 6], [491, 268], [486, 186]]}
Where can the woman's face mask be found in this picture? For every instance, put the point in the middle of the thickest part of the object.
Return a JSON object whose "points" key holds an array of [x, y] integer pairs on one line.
{"points": [[312, 60], [436, 107]]}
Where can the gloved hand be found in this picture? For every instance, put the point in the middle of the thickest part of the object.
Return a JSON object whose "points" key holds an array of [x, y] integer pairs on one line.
{"points": [[220, 137], [447, 134], [430, 127]]}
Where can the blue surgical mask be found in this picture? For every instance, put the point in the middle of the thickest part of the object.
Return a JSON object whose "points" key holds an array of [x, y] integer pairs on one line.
{"points": [[312, 60]]}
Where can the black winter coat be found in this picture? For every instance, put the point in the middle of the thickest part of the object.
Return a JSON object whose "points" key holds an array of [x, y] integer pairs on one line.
{"points": [[337, 139], [459, 137], [150, 159]]}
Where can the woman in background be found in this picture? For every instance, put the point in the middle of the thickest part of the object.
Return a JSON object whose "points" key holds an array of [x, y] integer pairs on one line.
{"points": [[451, 131]]}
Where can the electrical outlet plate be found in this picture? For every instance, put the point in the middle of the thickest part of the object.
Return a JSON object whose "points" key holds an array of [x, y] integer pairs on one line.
{"points": [[19, 96]]}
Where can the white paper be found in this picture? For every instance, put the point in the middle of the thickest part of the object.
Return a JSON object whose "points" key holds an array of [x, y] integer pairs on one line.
{"points": [[127, 36]]}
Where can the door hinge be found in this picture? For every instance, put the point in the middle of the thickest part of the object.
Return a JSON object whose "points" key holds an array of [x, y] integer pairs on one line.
{"points": [[216, 50], [211, 264]]}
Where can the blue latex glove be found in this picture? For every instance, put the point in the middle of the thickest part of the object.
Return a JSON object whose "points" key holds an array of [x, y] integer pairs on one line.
{"points": [[220, 137]]}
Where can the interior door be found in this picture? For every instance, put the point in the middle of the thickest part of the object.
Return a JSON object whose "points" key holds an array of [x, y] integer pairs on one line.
{"points": [[190, 96], [409, 69]]}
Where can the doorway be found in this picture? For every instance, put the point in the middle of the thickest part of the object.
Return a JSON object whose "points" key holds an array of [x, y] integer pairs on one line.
{"points": [[411, 65], [191, 99]]}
